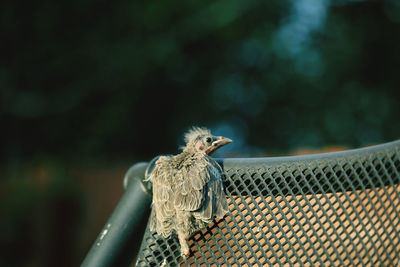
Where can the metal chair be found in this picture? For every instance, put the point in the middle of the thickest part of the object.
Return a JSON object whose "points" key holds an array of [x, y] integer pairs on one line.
{"points": [[335, 209]]}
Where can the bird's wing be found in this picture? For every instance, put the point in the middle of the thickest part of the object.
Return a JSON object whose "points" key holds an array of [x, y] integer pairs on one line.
{"points": [[201, 190], [191, 179], [216, 189], [163, 209]]}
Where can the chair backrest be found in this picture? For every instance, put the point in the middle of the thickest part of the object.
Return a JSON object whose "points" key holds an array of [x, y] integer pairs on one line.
{"points": [[337, 209]]}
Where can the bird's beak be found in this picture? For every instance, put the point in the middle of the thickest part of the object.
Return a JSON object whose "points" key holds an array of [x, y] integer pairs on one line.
{"points": [[221, 141]]}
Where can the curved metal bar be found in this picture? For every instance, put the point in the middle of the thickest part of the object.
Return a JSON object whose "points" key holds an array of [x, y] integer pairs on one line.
{"points": [[119, 241], [272, 161], [317, 171]]}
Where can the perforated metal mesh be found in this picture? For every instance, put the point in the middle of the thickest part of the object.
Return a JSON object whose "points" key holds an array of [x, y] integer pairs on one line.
{"points": [[339, 209]]}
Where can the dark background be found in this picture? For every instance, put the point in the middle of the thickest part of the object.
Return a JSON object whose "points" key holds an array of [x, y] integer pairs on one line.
{"points": [[87, 88]]}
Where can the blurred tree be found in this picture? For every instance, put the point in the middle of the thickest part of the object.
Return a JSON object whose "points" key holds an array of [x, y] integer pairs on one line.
{"points": [[99, 79]]}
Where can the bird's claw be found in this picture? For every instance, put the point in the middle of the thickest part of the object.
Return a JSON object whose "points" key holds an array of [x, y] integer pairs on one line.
{"points": [[185, 252]]}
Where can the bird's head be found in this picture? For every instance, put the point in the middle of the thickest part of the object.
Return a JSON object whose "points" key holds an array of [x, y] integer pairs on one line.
{"points": [[200, 140]]}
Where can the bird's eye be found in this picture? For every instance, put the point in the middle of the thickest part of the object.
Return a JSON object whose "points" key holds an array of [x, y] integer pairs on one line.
{"points": [[208, 140]]}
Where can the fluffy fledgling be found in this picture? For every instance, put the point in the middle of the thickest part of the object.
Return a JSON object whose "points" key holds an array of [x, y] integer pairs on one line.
{"points": [[187, 188]]}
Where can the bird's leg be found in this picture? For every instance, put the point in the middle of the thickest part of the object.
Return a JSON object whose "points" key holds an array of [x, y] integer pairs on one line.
{"points": [[183, 238]]}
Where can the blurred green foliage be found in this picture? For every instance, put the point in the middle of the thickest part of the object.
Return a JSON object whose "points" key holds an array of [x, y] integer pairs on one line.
{"points": [[97, 81], [124, 79]]}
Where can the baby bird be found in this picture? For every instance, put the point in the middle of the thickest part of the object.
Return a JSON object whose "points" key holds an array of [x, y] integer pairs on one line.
{"points": [[187, 188]]}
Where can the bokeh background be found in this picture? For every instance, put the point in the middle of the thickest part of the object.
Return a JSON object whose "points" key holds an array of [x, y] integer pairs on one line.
{"points": [[88, 88]]}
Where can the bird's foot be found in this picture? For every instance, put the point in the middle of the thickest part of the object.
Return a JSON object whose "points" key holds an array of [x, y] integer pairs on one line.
{"points": [[185, 251]]}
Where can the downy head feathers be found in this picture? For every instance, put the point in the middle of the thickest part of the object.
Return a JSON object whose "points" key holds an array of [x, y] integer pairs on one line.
{"points": [[196, 132]]}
